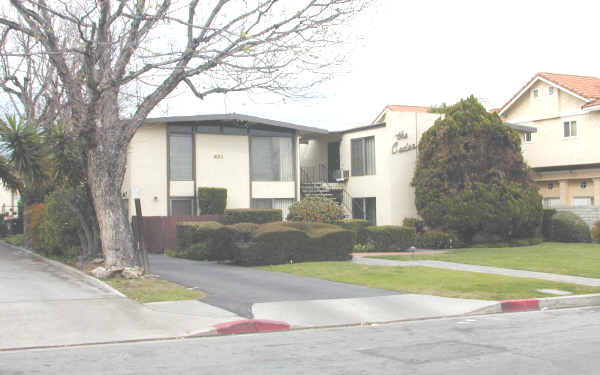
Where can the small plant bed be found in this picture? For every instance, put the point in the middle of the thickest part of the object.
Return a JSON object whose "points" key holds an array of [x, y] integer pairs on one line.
{"points": [[148, 289], [423, 280], [576, 259]]}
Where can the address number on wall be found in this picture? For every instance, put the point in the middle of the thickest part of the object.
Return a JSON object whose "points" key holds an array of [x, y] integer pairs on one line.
{"points": [[218, 156]]}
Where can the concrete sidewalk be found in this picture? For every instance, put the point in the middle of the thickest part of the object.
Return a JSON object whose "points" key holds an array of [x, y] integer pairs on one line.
{"points": [[587, 281], [44, 303]]}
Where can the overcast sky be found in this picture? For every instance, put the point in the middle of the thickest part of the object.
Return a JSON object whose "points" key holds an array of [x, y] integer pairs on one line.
{"points": [[425, 52]]}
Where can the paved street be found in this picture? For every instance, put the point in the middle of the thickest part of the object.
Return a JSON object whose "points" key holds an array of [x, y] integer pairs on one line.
{"points": [[237, 288], [552, 342]]}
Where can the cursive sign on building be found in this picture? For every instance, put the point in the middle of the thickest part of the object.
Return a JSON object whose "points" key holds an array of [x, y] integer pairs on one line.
{"points": [[397, 148]]}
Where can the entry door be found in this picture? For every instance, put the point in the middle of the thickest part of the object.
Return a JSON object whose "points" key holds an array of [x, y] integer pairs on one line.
{"points": [[333, 161]]}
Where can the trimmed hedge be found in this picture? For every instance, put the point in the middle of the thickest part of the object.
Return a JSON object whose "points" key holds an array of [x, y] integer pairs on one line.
{"points": [[358, 227], [325, 242], [252, 215], [568, 227], [434, 239], [273, 243], [212, 200], [547, 223], [418, 224], [391, 237], [207, 240]]}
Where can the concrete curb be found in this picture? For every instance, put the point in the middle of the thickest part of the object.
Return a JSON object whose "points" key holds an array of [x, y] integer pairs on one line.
{"points": [[66, 268], [540, 304]]}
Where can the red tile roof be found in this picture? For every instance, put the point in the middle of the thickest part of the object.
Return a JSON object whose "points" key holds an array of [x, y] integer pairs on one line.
{"points": [[584, 86]]}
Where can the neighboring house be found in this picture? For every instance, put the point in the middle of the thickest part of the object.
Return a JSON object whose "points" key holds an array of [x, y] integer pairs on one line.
{"points": [[8, 201], [564, 150], [370, 168], [256, 159]]}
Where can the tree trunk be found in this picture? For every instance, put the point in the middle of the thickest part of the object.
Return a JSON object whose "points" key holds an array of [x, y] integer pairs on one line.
{"points": [[106, 167]]}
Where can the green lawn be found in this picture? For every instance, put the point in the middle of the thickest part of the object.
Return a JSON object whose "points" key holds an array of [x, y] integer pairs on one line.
{"points": [[577, 259], [432, 281], [148, 289]]}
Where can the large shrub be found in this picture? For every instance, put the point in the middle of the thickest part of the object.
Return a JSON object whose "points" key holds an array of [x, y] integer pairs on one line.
{"points": [[596, 231], [325, 242], [314, 209], [358, 227], [252, 215], [418, 224], [211, 200], [391, 237], [471, 177], [434, 239], [568, 227]]}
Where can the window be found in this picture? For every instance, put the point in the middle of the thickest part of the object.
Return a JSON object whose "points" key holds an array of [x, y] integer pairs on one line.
{"points": [[570, 129], [550, 90], [365, 208], [527, 137], [272, 159], [181, 206], [536, 93], [282, 204], [180, 157], [550, 186], [582, 201], [583, 184], [363, 156], [551, 202]]}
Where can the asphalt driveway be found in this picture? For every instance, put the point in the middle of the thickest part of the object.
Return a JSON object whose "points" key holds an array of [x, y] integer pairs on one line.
{"points": [[237, 288]]}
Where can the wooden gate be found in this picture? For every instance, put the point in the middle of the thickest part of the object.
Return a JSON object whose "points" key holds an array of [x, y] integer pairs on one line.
{"points": [[160, 231]]}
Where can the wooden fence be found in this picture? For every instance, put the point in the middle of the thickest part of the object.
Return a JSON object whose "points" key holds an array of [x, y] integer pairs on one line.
{"points": [[160, 231]]}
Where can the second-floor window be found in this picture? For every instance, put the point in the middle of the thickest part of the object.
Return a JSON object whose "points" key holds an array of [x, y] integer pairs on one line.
{"points": [[527, 137], [181, 157], [272, 158], [363, 156], [570, 129]]}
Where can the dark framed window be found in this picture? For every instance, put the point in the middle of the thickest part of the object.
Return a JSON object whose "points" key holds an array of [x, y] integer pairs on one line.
{"points": [[272, 158], [181, 164], [181, 206], [362, 156], [282, 203], [365, 208]]}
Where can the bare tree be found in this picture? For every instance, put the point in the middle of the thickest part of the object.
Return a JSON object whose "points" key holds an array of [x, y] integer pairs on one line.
{"points": [[212, 46]]}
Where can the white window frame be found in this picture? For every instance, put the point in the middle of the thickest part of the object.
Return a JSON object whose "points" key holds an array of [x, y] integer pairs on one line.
{"points": [[570, 124], [550, 90], [530, 134], [535, 93], [546, 202]]}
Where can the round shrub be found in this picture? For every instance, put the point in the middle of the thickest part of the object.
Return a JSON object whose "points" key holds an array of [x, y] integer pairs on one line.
{"points": [[568, 227], [316, 209], [596, 231], [471, 178]]}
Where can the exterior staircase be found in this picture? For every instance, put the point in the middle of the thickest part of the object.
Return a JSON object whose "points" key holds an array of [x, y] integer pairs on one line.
{"points": [[314, 181]]}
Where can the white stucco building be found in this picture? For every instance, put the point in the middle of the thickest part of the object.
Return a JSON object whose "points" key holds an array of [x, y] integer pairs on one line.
{"points": [[255, 159], [370, 168]]}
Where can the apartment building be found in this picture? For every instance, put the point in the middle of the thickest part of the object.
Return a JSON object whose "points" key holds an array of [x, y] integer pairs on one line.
{"points": [[563, 149]]}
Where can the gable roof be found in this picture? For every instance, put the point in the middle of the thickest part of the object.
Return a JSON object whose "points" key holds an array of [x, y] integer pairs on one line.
{"points": [[585, 88], [401, 108]]}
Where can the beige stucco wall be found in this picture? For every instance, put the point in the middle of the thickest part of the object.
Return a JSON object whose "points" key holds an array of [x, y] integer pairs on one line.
{"points": [[273, 189], [391, 183], [181, 188], [147, 170], [223, 161]]}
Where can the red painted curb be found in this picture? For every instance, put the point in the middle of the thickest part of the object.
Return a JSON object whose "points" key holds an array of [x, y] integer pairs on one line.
{"points": [[250, 326], [520, 305]]}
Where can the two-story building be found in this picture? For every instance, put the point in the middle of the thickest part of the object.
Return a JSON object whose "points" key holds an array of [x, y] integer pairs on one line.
{"points": [[564, 150], [255, 159]]}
